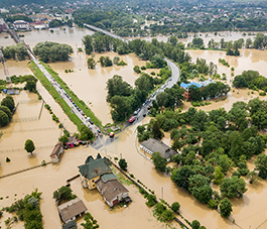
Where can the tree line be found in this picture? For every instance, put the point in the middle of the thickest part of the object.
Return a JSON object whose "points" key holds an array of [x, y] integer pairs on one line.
{"points": [[18, 51], [52, 51], [6, 110], [222, 140]]}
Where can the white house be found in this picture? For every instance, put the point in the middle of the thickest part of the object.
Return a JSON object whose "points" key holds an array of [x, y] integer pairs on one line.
{"points": [[21, 25]]}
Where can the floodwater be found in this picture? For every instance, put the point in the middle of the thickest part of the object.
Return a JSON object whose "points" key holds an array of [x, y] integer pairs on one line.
{"points": [[246, 211], [30, 121], [6, 41], [136, 215]]}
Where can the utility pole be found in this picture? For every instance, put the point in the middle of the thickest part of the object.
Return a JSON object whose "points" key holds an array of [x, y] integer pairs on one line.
{"points": [[162, 193]]}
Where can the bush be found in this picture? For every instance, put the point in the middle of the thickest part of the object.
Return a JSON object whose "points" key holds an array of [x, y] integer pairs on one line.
{"points": [[143, 68], [7, 159], [213, 204], [262, 93], [151, 200], [195, 224]]}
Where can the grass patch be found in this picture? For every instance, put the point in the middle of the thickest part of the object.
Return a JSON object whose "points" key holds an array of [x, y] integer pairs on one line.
{"points": [[53, 92], [80, 103], [121, 178]]}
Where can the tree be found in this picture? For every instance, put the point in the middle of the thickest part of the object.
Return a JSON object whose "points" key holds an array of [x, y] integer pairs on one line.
{"points": [[159, 161], [29, 146], [7, 111], [123, 164], [4, 120], [87, 41], [31, 85], [175, 207], [233, 187], [8, 102], [63, 193], [91, 63], [253, 176], [195, 93], [181, 177], [218, 176], [225, 208], [116, 60], [261, 165], [200, 188], [156, 132], [195, 224], [64, 139], [136, 69], [86, 133], [224, 162]]}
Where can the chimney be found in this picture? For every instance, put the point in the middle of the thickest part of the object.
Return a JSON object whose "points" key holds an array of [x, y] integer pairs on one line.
{"points": [[95, 170]]}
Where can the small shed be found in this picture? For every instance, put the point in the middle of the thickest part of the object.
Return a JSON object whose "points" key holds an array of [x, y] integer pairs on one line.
{"points": [[70, 210], [70, 225], [58, 149]]}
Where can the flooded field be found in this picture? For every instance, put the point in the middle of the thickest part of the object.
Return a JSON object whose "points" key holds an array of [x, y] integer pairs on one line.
{"points": [[31, 121]]}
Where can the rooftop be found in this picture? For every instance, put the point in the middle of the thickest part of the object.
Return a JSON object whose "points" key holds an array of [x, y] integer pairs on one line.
{"points": [[157, 146], [71, 209], [56, 149], [110, 189], [94, 167]]}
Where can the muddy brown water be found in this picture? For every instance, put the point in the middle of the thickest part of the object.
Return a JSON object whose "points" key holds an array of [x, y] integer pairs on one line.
{"points": [[249, 211]]}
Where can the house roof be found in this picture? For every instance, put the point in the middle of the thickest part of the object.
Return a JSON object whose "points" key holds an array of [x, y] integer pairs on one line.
{"points": [[70, 225], [187, 85], [107, 177], [157, 146], [206, 82], [110, 189], [71, 208], [56, 149], [94, 168]]}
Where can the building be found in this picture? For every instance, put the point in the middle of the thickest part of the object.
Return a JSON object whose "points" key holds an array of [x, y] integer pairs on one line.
{"points": [[70, 210], [70, 225], [39, 25], [200, 85], [152, 145], [3, 26], [21, 25], [93, 169], [111, 189], [58, 149]]}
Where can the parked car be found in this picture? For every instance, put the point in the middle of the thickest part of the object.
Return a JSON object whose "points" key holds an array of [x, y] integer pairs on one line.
{"points": [[91, 122], [131, 119], [98, 131]]}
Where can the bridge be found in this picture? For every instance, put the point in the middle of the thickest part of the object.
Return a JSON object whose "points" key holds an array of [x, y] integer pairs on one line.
{"points": [[91, 27]]}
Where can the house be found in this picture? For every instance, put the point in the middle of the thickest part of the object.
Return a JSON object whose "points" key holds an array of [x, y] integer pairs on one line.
{"points": [[200, 84], [70, 225], [58, 149], [21, 25], [70, 210], [111, 189], [152, 145], [93, 169], [3, 26]]}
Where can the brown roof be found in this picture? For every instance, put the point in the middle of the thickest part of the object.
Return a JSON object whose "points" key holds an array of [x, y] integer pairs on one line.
{"points": [[71, 208], [110, 189], [56, 149]]}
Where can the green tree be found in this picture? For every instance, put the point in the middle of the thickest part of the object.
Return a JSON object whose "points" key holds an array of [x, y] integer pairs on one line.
{"points": [[31, 85], [181, 177], [175, 207], [87, 41], [29, 146], [195, 93], [86, 133], [218, 176], [159, 161], [233, 187], [195, 224], [91, 63], [64, 139], [137, 69], [261, 165], [4, 120], [8, 101], [63, 193], [116, 60], [156, 132], [123, 164], [7, 111], [225, 207]]}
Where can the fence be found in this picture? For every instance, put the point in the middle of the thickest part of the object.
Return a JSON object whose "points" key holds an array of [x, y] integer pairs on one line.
{"points": [[23, 170]]}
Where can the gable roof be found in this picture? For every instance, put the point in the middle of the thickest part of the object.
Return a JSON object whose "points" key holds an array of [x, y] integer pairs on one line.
{"points": [[56, 149], [71, 209], [110, 189], [94, 168], [107, 177], [206, 82], [155, 145]]}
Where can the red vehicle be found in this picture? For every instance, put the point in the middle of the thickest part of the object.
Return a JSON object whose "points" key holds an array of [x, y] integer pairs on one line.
{"points": [[69, 145], [132, 119]]}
